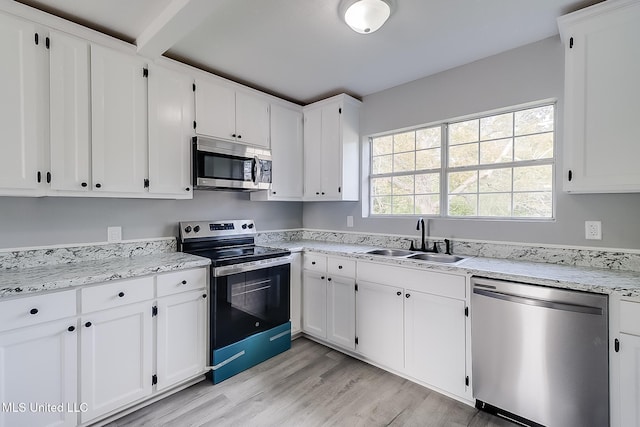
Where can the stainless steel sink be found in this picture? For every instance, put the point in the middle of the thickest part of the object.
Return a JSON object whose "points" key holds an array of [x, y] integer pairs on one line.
{"points": [[434, 257], [390, 252]]}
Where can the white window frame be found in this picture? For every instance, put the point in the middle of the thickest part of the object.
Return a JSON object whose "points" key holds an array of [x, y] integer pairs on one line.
{"points": [[445, 169]]}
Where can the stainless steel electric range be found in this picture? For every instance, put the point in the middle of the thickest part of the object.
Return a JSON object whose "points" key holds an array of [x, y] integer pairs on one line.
{"points": [[249, 310]]}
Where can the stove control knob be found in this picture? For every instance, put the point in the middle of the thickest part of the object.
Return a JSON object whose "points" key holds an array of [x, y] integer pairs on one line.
{"points": [[187, 229], [244, 226], [196, 228], [250, 226]]}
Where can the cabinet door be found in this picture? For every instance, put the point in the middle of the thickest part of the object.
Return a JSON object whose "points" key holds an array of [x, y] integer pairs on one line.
{"points": [[379, 323], [181, 345], [312, 153], [38, 365], [331, 151], [69, 112], [341, 316], [314, 304], [119, 121], [629, 380], [170, 129], [287, 153], [296, 292], [215, 110], [19, 116], [435, 340], [252, 120], [603, 102], [115, 358]]}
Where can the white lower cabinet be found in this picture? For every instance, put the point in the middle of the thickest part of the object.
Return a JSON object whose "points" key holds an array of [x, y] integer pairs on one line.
{"points": [[181, 337], [38, 366], [625, 362], [328, 295], [314, 304], [116, 358], [379, 323], [434, 333], [629, 380]]}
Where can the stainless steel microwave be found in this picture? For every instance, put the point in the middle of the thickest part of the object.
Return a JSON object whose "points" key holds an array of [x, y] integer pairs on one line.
{"points": [[221, 165]]}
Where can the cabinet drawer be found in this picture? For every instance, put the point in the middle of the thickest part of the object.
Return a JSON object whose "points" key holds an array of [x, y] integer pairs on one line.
{"points": [[315, 262], [116, 294], [181, 281], [630, 317], [341, 267], [32, 310], [446, 285]]}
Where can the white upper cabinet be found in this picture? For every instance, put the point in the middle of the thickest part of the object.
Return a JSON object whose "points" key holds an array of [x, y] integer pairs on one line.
{"points": [[170, 129], [287, 155], [70, 137], [119, 121], [332, 149], [602, 98], [226, 113], [21, 125]]}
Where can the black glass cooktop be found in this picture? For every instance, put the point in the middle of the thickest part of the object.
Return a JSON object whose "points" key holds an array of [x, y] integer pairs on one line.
{"points": [[237, 255]]}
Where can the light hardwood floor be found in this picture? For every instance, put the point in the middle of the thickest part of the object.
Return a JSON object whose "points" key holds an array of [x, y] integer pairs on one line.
{"points": [[310, 385]]}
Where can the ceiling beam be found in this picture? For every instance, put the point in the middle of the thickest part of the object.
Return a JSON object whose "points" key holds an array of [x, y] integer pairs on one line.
{"points": [[173, 23]]}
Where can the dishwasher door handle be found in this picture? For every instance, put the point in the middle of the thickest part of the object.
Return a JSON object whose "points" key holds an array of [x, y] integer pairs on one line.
{"points": [[538, 302]]}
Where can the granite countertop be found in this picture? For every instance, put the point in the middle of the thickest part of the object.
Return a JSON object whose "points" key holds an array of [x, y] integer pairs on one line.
{"points": [[22, 281], [605, 281]]}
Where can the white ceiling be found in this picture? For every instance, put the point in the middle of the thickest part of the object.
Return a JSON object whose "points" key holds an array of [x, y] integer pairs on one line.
{"points": [[302, 50]]}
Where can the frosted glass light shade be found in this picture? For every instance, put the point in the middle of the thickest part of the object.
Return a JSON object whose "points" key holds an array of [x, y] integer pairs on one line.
{"points": [[367, 16]]}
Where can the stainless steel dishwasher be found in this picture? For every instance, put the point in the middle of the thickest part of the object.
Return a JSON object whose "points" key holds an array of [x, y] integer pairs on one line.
{"points": [[540, 355]]}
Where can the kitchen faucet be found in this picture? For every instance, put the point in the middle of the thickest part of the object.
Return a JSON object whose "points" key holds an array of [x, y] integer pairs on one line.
{"points": [[423, 241]]}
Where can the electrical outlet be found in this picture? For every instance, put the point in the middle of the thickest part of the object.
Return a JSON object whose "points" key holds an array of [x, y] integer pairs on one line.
{"points": [[114, 234], [593, 230], [349, 221]]}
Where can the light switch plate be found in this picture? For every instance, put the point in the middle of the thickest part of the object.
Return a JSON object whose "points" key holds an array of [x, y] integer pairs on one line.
{"points": [[114, 234]]}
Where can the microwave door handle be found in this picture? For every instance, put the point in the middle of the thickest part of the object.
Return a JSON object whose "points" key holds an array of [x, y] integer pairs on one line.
{"points": [[256, 165]]}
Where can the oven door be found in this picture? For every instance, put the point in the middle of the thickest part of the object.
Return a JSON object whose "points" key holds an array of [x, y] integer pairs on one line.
{"points": [[225, 166], [248, 301]]}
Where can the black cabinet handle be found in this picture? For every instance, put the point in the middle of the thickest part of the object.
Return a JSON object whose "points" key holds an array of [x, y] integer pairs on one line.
{"points": [[33, 311], [98, 185], [322, 277], [187, 189], [71, 328], [329, 279], [48, 177], [407, 295], [121, 294], [204, 295], [317, 194], [313, 263], [39, 174], [233, 135], [88, 324], [239, 136], [398, 293], [570, 175], [184, 282], [84, 184], [273, 192], [616, 345], [323, 193], [339, 267]]}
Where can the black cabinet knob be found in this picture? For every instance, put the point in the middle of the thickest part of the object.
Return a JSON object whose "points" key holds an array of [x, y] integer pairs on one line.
{"points": [[313, 263], [329, 279], [204, 295], [71, 328], [184, 282], [323, 193], [233, 135], [317, 194], [273, 192], [98, 185], [33, 311], [339, 267], [84, 184], [187, 189], [88, 324], [407, 295], [121, 294], [239, 136], [322, 277], [398, 293]]}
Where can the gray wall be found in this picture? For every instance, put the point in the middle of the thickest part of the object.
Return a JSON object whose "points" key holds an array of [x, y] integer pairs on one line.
{"points": [[529, 73], [61, 220]]}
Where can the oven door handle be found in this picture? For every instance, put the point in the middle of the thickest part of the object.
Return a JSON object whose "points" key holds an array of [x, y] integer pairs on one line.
{"points": [[228, 270]]}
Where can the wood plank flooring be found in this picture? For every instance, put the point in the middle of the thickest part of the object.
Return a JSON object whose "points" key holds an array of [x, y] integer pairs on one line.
{"points": [[310, 385]]}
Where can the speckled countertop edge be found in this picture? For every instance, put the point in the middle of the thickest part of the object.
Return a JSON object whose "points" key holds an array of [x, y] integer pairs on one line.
{"points": [[30, 280], [622, 283]]}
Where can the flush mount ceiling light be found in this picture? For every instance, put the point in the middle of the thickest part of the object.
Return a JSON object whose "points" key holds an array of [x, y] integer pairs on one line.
{"points": [[366, 16]]}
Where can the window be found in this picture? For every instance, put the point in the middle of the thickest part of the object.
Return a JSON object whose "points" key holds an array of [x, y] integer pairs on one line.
{"points": [[498, 166]]}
